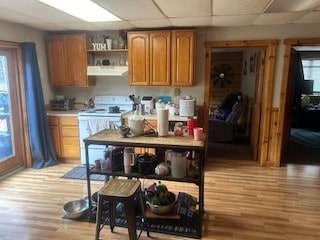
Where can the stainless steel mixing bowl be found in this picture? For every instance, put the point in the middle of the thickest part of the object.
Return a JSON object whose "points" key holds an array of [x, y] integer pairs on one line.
{"points": [[75, 209]]}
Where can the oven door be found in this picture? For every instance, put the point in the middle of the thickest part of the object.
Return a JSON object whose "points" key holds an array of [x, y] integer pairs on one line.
{"points": [[89, 125]]}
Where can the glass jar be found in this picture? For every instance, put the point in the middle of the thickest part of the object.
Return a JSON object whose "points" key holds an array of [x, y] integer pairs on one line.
{"points": [[178, 129]]}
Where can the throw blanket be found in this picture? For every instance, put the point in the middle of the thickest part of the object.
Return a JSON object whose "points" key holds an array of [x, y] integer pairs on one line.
{"points": [[306, 137]]}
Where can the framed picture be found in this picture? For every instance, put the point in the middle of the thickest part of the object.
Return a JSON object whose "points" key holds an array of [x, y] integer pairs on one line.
{"points": [[252, 63]]}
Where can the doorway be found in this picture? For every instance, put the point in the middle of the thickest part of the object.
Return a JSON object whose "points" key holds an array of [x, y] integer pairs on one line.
{"points": [[12, 143], [234, 89], [301, 136], [261, 111]]}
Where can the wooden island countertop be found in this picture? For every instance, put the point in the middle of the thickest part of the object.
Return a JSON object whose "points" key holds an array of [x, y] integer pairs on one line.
{"points": [[112, 137]]}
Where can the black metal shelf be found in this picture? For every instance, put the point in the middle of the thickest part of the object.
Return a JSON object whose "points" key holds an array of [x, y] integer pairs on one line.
{"points": [[149, 176]]}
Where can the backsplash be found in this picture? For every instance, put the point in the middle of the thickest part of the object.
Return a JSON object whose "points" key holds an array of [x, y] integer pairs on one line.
{"points": [[119, 86]]}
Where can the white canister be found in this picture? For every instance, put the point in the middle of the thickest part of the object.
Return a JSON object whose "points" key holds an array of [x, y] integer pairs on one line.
{"points": [[178, 164], [135, 125], [163, 122], [187, 106]]}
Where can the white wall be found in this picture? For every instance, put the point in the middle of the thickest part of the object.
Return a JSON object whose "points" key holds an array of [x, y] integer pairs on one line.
{"points": [[248, 79], [18, 33]]}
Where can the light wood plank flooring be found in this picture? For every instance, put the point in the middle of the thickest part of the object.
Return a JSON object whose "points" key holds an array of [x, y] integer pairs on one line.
{"points": [[242, 201]]}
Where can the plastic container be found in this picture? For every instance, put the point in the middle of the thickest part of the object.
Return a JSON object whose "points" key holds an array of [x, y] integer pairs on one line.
{"points": [[179, 164]]}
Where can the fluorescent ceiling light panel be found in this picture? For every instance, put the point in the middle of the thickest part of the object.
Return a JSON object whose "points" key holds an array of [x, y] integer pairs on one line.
{"points": [[83, 9], [292, 5]]}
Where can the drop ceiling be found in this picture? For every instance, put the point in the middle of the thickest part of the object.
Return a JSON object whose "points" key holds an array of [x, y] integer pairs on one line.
{"points": [[166, 13]]}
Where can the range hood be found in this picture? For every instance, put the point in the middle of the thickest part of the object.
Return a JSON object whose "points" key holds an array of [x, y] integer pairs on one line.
{"points": [[107, 70]]}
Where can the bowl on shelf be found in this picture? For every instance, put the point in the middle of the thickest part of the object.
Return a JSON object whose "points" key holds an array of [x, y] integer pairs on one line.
{"points": [[75, 209], [162, 209]]}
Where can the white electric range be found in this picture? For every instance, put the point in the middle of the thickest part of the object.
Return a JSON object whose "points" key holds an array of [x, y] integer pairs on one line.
{"points": [[94, 120]]}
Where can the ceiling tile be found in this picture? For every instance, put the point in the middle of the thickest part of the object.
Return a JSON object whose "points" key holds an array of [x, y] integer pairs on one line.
{"points": [[238, 7], [153, 23], [48, 26], [185, 8], [277, 18], [312, 17], [38, 10], [227, 21], [192, 22], [132, 10], [112, 25]]}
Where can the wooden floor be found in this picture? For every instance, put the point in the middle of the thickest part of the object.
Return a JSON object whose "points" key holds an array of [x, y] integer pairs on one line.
{"points": [[242, 201]]}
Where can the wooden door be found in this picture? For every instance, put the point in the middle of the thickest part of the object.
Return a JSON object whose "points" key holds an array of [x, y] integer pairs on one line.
{"points": [[183, 58], [12, 141], [256, 111], [288, 103], [138, 58], [77, 60], [160, 48], [57, 60]]}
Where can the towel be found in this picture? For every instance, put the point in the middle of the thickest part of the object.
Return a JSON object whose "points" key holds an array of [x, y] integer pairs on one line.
{"points": [[98, 124]]}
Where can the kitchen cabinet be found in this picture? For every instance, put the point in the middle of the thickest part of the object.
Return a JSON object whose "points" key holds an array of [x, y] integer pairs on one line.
{"points": [[183, 58], [161, 58], [191, 227], [67, 61], [54, 131], [65, 136]]}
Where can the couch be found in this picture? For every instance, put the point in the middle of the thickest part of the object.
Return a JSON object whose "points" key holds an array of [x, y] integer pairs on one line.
{"points": [[226, 130]]}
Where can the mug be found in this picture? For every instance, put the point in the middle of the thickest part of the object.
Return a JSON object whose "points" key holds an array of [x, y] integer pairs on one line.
{"points": [[198, 133], [128, 159]]}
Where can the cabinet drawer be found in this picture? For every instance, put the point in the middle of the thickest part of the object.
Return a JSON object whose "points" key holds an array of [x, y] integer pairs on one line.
{"points": [[68, 121], [53, 121], [69, 132]]}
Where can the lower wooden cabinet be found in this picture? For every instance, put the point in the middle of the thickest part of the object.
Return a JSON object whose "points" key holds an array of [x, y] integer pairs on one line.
{"points": [[65, 136]]}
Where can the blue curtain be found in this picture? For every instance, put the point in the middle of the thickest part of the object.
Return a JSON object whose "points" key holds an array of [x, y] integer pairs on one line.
{"points": [[41, 145]]}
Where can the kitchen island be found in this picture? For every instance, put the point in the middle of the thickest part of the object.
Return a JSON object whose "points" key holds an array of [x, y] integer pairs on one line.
{"points": [[111, 137]]}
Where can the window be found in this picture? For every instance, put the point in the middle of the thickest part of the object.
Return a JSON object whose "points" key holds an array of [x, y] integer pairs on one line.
{"points": [[311, 70]]}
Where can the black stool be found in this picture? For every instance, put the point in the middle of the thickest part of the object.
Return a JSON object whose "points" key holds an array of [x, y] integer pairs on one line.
{"points": [[124, 191]]}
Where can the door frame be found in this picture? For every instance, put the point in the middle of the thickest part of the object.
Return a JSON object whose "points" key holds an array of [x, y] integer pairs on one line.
{"points": [[287, 91], [266, 95], [23, 148]]}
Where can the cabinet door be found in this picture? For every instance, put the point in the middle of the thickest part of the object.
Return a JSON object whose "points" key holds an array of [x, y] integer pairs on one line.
{"points": [[57, 60], [138, 58], [55, 135], [183, 58], [77, 60], [160, 44], [54, 131], [69, 134]]}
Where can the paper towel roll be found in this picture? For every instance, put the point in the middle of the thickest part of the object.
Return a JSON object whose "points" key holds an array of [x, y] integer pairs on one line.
{"points": [[163, 122]]}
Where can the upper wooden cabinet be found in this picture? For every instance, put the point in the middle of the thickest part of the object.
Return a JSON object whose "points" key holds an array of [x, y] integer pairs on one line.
{"points": [[67, 60], [183, 58], [161, 58]]}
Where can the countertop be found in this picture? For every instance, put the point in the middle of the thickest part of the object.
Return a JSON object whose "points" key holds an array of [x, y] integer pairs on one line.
{"points": [[112, 137], [69, 113]]}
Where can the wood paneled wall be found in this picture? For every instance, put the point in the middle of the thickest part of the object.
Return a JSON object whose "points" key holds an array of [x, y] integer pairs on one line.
{"points": [[234, 60]]}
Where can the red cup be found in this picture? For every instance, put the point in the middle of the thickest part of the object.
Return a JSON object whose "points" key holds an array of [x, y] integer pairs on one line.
{"points": [[191, 124]]}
